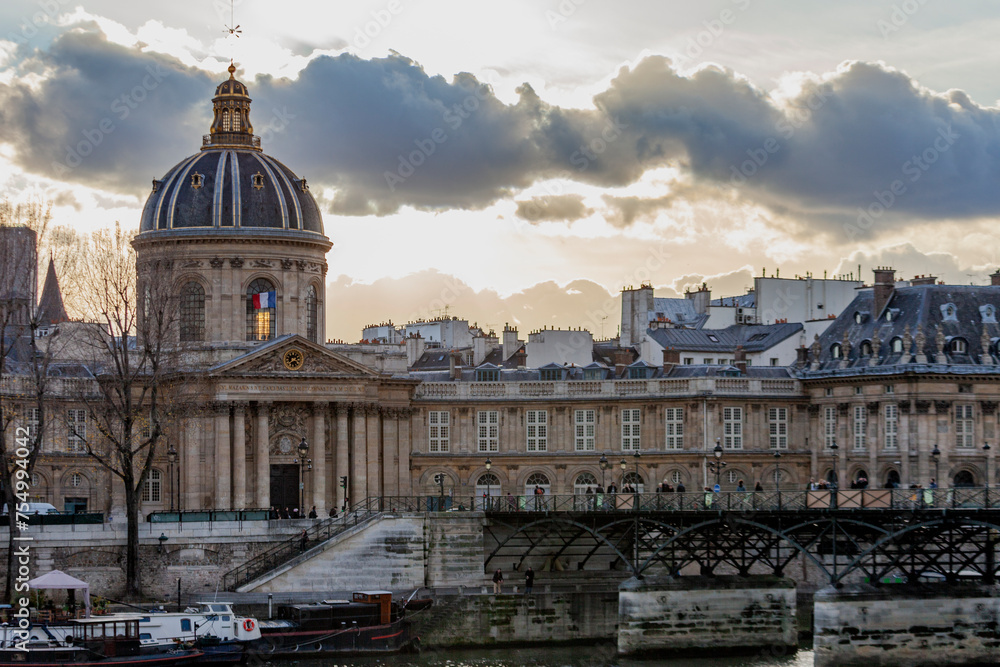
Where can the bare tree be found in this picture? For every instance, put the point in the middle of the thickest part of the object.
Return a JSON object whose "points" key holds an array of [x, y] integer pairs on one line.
{"points": [[132, 363]]}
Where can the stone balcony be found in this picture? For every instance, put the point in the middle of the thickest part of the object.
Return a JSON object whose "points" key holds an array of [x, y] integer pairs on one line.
{"points": [[590, 389]]}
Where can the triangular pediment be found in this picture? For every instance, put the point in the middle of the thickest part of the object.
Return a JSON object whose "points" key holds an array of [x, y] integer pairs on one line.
{"points": [[292, 356]]}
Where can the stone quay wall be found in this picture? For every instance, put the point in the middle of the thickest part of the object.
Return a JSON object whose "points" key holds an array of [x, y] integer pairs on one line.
{"points": [[692, 615], [904, 627]]}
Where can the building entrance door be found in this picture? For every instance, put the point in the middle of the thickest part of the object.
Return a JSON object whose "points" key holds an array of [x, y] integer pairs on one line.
{"points": [[284, 486]]}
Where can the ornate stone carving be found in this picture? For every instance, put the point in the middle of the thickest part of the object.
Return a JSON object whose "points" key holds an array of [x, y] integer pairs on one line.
{"points": [[988, 407], [301, 264], [216, 262], [921, 339], [262, 264], [287, 264], [942, 407], [815, 349], [843, 408], [873, 407], [923, 407], [813, 410], [311, 363], [236, 262], [904, 407], [191, 264], [939, 344]]}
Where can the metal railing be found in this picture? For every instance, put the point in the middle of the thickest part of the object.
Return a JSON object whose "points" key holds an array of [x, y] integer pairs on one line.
{"points": [[730, 501], [200, 516], [288, 549]]}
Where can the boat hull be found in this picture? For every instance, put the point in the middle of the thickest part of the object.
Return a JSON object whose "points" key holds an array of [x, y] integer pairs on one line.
{"points": [[376, 639], [80, 657]]}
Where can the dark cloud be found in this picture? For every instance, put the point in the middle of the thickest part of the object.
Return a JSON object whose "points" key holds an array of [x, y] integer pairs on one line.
{"points": [[553, 207], [385, 134]]}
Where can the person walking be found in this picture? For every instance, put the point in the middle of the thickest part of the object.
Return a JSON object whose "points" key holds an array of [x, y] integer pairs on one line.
{"points": [[303, 540], [497, 582], [312, 513], [529, 580]]}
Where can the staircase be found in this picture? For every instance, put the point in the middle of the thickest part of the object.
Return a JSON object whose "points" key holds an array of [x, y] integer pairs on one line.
{"points": [[285, 551]]}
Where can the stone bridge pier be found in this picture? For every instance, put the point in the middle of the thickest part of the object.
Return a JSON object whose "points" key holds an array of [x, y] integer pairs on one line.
{"points": [[931, 624], [707, 616]]}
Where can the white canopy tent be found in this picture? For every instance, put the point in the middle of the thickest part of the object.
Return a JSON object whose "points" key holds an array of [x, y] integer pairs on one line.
{"points": [[60, 580]]}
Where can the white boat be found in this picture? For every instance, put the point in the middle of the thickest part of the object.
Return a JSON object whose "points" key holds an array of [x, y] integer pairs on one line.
{"points": [[211, 627]]}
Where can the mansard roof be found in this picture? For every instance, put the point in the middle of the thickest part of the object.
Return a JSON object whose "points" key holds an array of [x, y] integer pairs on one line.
{"points": [[753, 337], [908, 330]]}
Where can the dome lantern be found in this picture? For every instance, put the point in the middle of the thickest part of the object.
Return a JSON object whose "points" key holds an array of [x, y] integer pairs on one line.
{"points": [[231, 122]]}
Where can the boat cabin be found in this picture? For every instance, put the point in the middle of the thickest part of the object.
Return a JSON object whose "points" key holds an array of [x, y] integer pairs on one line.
{"points": [[113, 637], [367, 608]]}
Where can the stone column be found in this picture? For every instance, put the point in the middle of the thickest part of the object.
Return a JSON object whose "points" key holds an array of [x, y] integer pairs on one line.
{"points": [[405, 482], [903, 429], [319, 456], [262, 457], [341, 468], [239, 456], [390, 453], [945, 442], [357, 486], [874, 431], [223, 473], [374, 439], [191, 463]]}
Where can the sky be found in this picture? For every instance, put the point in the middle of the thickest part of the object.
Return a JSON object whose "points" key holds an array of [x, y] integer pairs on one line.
{"points": [[521, 162]]}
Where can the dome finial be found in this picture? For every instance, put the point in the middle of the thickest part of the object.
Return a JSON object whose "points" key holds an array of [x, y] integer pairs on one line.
{"points": [[232, 70]]}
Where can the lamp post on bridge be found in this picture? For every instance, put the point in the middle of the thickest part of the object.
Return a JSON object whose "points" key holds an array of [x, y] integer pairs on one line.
{"points": [[488, 465], [715, 467], [777, 476], [604, 464], [834, 448], [986, 467], [936, 455], [171, 463], [305, 464]]}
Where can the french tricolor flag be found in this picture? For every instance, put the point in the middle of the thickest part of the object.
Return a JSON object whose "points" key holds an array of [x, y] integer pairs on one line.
{"points": [[264, 300]]}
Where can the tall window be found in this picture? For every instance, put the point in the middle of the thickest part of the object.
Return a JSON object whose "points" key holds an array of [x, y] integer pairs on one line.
{"points": [[732, 428], [777, 421], [192, 324], [76, 480], [860, 427], [538, 430], [151, 489], [489, 430], [891, 416], [964, 429], [312, 331], [261, 318], [439, 434], [675, 428], [630, 429], [31, 424], [829, 426], [585, 421], [76, 430]]}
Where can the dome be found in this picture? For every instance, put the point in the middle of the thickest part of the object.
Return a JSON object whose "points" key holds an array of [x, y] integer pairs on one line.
{"points": [[231, 184]]}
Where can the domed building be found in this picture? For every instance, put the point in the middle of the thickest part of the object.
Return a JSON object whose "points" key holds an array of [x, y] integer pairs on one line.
{"points": [[270, 417]]}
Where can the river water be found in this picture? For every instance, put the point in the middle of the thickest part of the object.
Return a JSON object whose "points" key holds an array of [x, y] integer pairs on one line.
{"points": [[601, 655]]}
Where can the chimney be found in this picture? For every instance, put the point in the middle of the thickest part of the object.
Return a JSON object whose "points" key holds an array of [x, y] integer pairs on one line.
{"points": [[510, 343], [479, 350], [995, 278], [740, 359], [454, 370], [622, 358], [924, 280], [414, 349], [701, 299], [885, 283], [521, 358], [801, 356], [671, 358]]}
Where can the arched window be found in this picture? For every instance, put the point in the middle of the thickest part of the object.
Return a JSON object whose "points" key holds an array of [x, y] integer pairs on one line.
{"points": [[676, 477], [536, 487], [897, 345], [584, 481], [964, 479], [892, 479], [226, 122], [836, 351], [76, 480], [192, 324], [959, 346], [633, 480], [866, 348], [487, 490], [151, 488], [262, 312], [312, 331]]}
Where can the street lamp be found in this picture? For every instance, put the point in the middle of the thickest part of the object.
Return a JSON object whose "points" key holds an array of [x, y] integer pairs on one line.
{"points": [[171, 462], [936, 455], [604, 464], [715, 467], [488, 464], [305, 464], [833, 462], [624, 465], [636, 457], [986, 452]]}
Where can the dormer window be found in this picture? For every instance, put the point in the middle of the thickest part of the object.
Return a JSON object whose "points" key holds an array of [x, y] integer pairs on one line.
{"points": [[638, 373], [988, 313], [593, 374], [866, 348], [949, 313], [891, 314], [257, 180], [858, 318], [897, 345], [488, 375], [549, 374], [197, 180], [836, 351], [958, 346]]}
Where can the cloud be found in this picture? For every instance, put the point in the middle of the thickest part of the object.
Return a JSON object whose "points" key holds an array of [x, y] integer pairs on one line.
{"points": [[428, 293], [865, 140], [553, 207]]}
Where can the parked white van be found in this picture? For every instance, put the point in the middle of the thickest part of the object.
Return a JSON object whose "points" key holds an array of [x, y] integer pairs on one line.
{"points": [[37, 508]]}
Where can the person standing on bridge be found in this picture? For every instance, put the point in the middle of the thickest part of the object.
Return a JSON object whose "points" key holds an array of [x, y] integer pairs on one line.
{"points": [[529, 580], [497, 582]]}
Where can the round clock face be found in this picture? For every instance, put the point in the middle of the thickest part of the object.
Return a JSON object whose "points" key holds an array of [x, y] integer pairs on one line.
{"points": [[285, 444], [293, 359]]}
